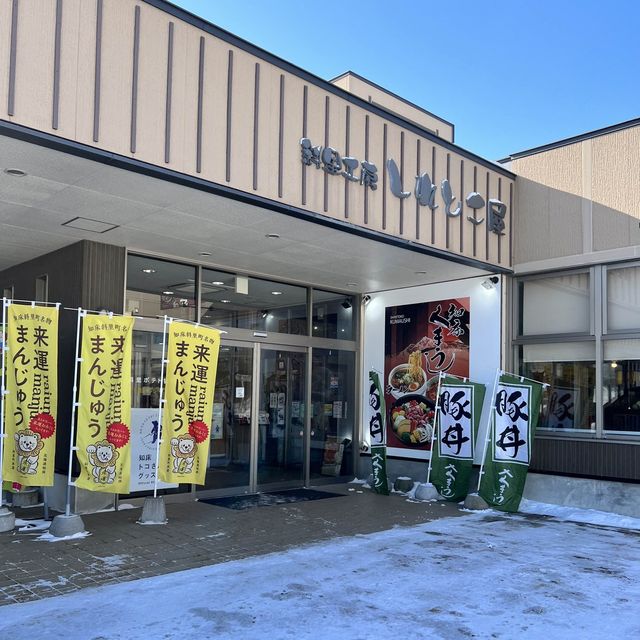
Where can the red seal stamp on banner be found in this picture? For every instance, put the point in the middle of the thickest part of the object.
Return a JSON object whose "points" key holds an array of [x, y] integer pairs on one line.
{"points": [[118, 434], [43, 424], [199, 430]]}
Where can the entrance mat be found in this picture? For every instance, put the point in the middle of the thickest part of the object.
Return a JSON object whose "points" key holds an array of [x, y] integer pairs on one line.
{"points": [[239, 503]]}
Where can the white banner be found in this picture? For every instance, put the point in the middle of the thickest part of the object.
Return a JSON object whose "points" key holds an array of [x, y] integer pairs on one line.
{"points": [[455, 435], [144, 435], [511, 429]]}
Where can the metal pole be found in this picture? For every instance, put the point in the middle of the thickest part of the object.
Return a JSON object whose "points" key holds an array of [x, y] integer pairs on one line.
{"points": [[487, 434], [167, 322], [434, 439], [74, 405], [3, 391]]}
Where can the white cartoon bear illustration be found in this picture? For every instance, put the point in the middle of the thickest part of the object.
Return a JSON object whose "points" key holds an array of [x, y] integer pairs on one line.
{"points": [[103, 457], [28, 445], [183, 450]]}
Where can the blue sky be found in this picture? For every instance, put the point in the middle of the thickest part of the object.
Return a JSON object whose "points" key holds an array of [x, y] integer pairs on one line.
{"points": [[510, 75]]}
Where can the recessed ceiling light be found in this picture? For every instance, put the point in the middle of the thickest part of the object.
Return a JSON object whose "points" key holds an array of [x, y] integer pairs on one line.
{"points": [[148, 270], [421, 273], [225, 301], [352, 284], [167, 293], [276, 293], [273, 236], [218, 283], [16, 173], [204, 253]]}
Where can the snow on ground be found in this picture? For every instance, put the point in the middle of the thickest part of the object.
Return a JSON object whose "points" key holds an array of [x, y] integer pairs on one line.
{"points": [[483, 575]]}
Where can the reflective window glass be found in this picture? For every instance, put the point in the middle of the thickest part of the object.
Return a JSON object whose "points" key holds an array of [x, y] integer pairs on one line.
{"points": [[252, 303], [621, 385], [555, 305], [623, 299], [569, 370], [333, 315], [159, 287]]}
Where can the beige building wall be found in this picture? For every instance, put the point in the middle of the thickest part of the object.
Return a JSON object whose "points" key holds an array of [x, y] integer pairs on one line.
{"points": [[133, 78], [374, 94], [579, 199]]}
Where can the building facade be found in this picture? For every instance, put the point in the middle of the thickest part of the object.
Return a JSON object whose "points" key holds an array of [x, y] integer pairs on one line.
{"points": [[154, 164]]}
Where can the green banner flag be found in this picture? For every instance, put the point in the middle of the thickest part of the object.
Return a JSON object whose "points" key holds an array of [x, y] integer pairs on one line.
{"points": [[458, 416], [514, 418], [377, 430]]}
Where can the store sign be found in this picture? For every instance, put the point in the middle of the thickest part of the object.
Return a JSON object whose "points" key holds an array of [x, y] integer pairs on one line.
{"points": [[329, 160]]}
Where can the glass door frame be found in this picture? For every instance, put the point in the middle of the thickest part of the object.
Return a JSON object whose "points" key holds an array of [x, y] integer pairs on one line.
{"points": [[306, 437]]}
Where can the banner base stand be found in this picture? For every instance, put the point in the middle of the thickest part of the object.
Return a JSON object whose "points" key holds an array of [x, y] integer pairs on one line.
{"points": [[153, 511], [427, 491], [63, 526], [7, 520], [474, 502]]}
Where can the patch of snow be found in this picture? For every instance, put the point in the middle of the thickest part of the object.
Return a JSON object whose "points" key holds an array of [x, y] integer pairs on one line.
{"points": [[358, 481], [40, 584], [403, 478], [124, 506], [574, 514], [474, 575], [32, 525], [111, 561], [47, 537]]}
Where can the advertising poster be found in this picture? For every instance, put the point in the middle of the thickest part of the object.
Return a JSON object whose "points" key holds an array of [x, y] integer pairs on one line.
{"points": [[104, 404], [192, 361], [144, 442], [421, 341], [32, 395]]}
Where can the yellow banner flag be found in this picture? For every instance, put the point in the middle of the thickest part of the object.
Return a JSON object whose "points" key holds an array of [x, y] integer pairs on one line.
{"points": [[104, 404], [32, 395], [192, 361]]}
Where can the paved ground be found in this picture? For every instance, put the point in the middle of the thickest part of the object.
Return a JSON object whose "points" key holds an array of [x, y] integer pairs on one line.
{"points": [[198, 534]]}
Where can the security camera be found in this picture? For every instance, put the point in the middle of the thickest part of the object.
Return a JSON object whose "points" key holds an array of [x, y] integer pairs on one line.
{"points": [[366, 298]]}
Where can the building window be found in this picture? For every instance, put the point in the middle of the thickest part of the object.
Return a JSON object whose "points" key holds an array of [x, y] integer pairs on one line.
{"points": [[42, 288], [253, 303], [588, 393], [569, 370], [333, 315], [555, 305], [623, 299], [159, 287], [7, 292]]}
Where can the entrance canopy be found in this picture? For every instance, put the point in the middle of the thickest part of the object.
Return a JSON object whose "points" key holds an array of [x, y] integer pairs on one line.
{"points": [[51, 198]]}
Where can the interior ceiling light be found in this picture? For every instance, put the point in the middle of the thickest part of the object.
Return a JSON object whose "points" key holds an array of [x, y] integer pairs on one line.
{"points": [[421, 273], [225, 301], [352, 284], [273, 236], [204, 253], [276, 293], [16, 173], [148, 270], [167, 293], [217, 283]]}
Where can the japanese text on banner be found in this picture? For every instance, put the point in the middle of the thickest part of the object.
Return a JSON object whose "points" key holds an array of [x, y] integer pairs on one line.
{"points": [[31, 401], [104, 412], [192, 360]]}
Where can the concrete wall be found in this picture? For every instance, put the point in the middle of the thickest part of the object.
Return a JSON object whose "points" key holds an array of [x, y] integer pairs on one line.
{"points": [[145, 80], [578, 199]]}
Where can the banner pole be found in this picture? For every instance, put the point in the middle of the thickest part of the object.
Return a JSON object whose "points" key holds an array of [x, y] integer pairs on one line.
{"points": [[167, 321], [436, 425], [486, 435], [74, 405], [3, 391]]}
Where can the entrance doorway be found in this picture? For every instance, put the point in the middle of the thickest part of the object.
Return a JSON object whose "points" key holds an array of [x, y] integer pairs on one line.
{"points": [[283, 414]]}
